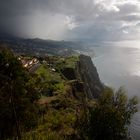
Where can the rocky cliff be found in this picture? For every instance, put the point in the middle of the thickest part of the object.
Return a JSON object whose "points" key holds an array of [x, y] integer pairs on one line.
{"points": [[87, 73]]}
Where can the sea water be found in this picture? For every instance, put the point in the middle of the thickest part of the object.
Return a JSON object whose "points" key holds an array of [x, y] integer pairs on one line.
{"points": [[118, 64]]}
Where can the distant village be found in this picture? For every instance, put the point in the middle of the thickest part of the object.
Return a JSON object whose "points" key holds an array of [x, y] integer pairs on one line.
{"points": [[28, 63], [33, 63]]}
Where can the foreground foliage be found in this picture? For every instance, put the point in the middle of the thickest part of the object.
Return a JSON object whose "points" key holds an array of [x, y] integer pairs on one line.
{"points": [[110, 117], [17, 108]]}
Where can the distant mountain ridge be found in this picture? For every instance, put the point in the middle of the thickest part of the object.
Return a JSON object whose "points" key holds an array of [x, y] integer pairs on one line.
{"points": [[39, 46]]}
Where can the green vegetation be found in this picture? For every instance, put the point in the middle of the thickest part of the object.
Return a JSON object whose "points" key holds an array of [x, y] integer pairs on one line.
{"points": [[50, 81], [110, 117], [67, 62], [51, 105], [18, 111], [47, 74], [71, 60]]}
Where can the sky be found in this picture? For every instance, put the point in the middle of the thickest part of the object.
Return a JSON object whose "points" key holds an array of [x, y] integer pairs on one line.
{"points": [[97, 20]]}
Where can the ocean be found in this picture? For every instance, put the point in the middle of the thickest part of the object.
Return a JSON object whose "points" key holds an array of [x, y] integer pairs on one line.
{"points": [[118, 64]]}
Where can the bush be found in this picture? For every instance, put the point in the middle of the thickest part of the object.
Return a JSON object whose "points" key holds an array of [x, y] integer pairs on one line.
{"points": [[110, 117]]}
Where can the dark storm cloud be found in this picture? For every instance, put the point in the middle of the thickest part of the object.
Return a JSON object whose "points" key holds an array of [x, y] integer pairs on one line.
{"points": [[70, 19]]}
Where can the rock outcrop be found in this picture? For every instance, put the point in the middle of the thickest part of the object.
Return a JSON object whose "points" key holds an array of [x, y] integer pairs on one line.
{"points": [[87, 73]]}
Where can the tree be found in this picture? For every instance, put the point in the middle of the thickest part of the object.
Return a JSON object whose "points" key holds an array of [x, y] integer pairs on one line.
{"points": [[110, 117], [17, 108]]}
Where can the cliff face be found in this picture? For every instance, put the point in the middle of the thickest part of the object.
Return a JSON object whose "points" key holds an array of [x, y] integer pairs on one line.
{"points": [[87, 73]]}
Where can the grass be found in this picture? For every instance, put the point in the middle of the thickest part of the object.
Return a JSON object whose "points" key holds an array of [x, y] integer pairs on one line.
{"points": [[71, 61], [67, 62], [47, 74]]}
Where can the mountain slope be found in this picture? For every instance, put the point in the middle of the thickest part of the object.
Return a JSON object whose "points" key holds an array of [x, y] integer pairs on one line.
{"points": [[40, 47]]}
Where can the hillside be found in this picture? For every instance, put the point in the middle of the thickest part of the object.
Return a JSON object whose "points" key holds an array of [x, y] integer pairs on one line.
{"points": [[59, 98], [40, 47]]}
